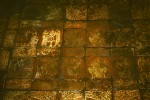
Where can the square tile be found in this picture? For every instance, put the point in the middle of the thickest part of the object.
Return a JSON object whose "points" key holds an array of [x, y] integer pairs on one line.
{"points": [[146, 94], [47, 68], [4, 61], [71, 85], [98, 95], [44, 85], [74, 38], [97, 35], [15, 84], [98, 67], [96, 12], [127, 95], [146, 11], [9, 38], [121, 37], [137, 11], [119, 11], [143, 66], [76, 12], [123, 67], [27, 37], [14, 22], [21, 67], [50, 38], [33, 12], [76, 52], [73, 68], [53, 12], [75, 24], [99, 85]]}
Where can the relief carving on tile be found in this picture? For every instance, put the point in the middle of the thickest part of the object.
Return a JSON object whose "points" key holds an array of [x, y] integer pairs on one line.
{"points": [[98, 69]]}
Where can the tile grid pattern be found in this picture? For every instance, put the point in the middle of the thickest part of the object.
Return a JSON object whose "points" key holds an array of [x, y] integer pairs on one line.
{"points": [[104, 50]]}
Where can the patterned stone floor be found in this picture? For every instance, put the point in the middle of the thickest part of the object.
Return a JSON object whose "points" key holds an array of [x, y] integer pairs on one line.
{"points": [[75, 50]]}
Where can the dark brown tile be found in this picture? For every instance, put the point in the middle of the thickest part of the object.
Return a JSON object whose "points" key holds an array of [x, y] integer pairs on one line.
{"points": [[137, 11], [76, 12], [99, 85], [75, 24], [97, 52], [9, 38], [21, 84], [97, 35], [96, 12], [123, 67], [4, 61], [73, 68], [71, 85], [76, 52], [21, 67], [119, 11], [47, 68], [53, 12], [44, 85], [74, 38], [33, 12], [122, 84]]}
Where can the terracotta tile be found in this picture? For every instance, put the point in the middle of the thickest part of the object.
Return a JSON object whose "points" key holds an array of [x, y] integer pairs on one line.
{"points": [[75, 24], [121, 37], [99, 85], [123, 51], [9, 38], [47, 68], [33, 12], [44, 85], [98, 67], [73, 68], [97, 52], [123, 67], [43, 95], [74, 38], [48, 52], [68, 95], [96, 12], [127, 95], [119, 11], [53, 12], [95, 95], [21, 84], [71, 85], [17, 95], [76, 12], [122, 84], [97, 35], [31, 23], [137, 11], [21, 67], [4, 61]]}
